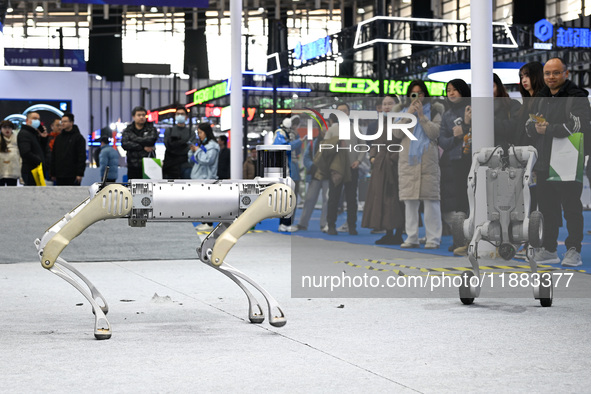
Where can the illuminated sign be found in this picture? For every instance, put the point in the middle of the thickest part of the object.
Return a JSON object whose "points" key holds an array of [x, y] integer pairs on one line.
{"points": [[370, 86], [152, 116], [320, 47], [216, 112], [211, 92], [571, 37]]}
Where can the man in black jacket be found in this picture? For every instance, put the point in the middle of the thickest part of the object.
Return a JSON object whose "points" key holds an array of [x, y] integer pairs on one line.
{"points": [[68, 158], [177, 140], [138, 139], [32, 142], [559, 117], [224, 158]]}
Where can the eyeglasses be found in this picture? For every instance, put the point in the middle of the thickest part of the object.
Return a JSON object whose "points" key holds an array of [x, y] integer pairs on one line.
{"points": [[553, 73]]}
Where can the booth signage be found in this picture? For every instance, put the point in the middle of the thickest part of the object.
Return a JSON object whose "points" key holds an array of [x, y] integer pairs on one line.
{"points": [[571, 37], [320, 47], [370, 86], [211, 92], [73, 58]]}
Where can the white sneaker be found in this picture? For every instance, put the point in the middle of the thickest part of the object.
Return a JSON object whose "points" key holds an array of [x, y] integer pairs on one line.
{"points": [[324, 229], [285, 229], [542, 256], [572, 258], [344, 228], [204, 227]]}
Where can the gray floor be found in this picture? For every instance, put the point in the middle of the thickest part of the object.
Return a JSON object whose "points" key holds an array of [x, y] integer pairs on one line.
{"points": [[179, 325]]}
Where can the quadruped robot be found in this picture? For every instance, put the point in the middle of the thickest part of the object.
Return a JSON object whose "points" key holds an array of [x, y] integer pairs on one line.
{"points": [[509, 222], [237, 205]]}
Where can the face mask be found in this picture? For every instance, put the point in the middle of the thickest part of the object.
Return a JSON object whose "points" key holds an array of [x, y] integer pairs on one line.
{"points": [[180, 119], [35, 123]]}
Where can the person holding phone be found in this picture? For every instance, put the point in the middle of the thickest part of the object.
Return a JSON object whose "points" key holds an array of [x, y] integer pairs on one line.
{"points": [[204, 156], [455, 141]]}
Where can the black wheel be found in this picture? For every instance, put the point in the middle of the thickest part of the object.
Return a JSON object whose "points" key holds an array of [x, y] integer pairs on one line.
{"points": [[546, 290], [546, 302], [465, 291], [535, 231], [457, 229]]}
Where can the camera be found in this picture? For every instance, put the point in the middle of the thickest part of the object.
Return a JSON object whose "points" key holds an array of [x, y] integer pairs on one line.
{"points": [[414, 95], [458, 121]]}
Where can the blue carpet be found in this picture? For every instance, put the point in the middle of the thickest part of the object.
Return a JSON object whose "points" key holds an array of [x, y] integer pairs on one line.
{"points": [[366, 238]]}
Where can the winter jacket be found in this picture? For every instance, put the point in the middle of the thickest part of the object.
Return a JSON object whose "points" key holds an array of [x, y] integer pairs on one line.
{"points": [[205, 161], [68, 158], [31, 148], [224, 164], [109, 157], [452, 146], [454, 164], [506, 112], [10, 161], [134, 141], [249, 169], [421, 181], [294, 168], [562, 121], [176, 140], [382, 206]]}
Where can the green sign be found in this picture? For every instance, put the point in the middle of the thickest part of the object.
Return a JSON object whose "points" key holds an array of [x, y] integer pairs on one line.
{"points": [[211, 92], [370, 86]]}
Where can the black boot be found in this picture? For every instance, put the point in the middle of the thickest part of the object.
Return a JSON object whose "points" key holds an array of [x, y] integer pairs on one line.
{"points": [[398, 237]]}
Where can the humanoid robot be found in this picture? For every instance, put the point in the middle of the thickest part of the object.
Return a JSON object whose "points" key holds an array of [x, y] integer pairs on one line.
{"points": [[509, 222], [237, 205]]}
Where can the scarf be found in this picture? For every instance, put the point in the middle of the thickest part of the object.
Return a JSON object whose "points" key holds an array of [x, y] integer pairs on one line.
{"points": [[417, 148]]}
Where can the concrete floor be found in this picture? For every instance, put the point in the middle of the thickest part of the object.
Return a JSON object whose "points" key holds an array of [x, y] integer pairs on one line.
{"points": [[195, 335], [180, 326]]}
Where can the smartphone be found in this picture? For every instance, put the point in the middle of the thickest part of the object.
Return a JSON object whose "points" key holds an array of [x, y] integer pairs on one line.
{"points": [[537, 118]]}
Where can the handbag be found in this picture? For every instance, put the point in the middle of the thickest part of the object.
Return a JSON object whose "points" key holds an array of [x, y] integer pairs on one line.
{"points": [[38, 175], [567, 158], [151, 167]]}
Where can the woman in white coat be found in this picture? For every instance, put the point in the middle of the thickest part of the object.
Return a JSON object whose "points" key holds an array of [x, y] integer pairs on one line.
{"points": [[418, 168], [10, 159]]}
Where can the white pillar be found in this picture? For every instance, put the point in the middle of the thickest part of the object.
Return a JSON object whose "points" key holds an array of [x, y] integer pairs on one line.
{"points": [[481, 57], [236, 93]]}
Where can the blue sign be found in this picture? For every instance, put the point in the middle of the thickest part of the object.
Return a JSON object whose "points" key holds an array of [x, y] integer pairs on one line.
{"points": [[154, 3], [543, 30], [572, 37], [44, 57], [320, 47]]}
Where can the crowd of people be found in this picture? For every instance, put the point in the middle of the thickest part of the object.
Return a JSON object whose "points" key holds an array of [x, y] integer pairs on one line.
{"points": [[60, 152], [430, 172]]}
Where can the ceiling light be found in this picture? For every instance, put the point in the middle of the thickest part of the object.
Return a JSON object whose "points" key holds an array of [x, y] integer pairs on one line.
{"points": [[361, 10], [39, 9], [153, 9], [9, 10]]}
